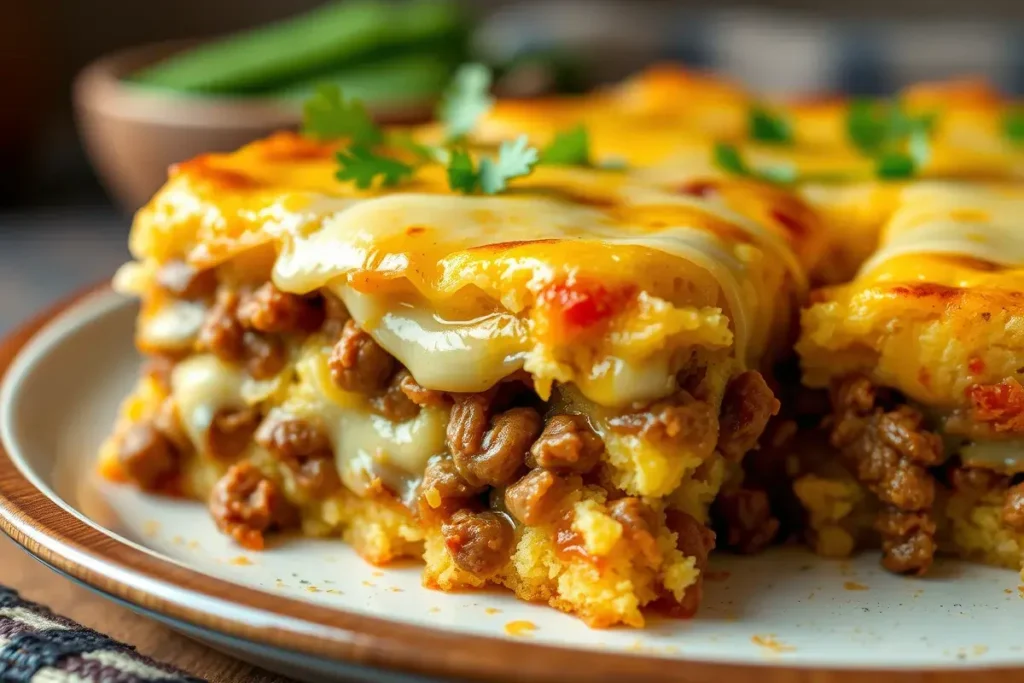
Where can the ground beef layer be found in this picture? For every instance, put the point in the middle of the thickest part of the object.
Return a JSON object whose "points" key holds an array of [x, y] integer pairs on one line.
{"points": [[528, 494]]}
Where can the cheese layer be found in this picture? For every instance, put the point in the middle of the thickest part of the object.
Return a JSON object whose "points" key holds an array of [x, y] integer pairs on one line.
{"points": [[600, 278]]}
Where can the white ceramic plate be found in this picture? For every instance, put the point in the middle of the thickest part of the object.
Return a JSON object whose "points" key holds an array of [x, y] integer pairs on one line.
{"points": [[785, 609]]}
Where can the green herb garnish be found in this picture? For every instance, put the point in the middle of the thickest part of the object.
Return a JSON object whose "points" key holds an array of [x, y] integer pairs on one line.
{"points": [[1013, 126], [899, 142], [360, 164], [728, 158], [327, 115], [466, 99], [462, 174], [569, 148], [515, 159], [765, 126]]}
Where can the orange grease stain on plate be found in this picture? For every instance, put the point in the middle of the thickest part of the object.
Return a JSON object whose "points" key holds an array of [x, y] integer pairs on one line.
{"points": [[151, 528], [854, 586], [492, 610], [769, 643], [312, 589], [520, 629], [240, 561], [1020, 591]]}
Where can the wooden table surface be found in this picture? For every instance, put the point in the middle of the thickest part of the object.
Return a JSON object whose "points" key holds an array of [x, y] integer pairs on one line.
{"points": [[18, 570]]}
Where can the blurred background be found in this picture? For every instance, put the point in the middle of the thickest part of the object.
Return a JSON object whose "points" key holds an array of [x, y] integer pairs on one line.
{"points": [[79, 151]]}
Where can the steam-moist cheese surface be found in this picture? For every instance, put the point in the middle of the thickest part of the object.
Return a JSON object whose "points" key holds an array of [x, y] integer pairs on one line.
{"points": [[444, 245], [955, 219], [449, 284]]}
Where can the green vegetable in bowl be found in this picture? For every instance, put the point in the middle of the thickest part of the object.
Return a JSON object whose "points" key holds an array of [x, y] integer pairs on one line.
{"points": [[310, 46], [410, 78]]}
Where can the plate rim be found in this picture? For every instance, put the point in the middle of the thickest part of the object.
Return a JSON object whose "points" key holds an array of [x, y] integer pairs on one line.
{"points": [[48, 531]]}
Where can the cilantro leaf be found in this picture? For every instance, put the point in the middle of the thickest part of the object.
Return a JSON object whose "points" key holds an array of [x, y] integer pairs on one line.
{"points": [[764, 126], [1013, 126], [466, 100], [462, 174], [899, 142], [515, 160], [895, 166], [361, 165], [728, 158], [569, 148], [327, 115], [864, 125]]}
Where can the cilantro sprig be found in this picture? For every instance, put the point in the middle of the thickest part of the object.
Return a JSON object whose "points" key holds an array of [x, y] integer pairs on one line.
{"points": [[765, 126], [362, 166], [899, 142], [729, 158], [515, 159], [465, 101], [568, 148], [1013, 126], [328, 115]]}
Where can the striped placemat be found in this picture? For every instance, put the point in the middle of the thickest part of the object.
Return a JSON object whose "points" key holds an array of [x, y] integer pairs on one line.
{"points": [[38, 646]]}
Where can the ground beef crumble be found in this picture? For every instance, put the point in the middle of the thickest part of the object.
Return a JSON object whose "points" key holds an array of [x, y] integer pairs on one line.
{"points": [[537, 497], [490, 450], [889, 451], [682, 419], [303, 446], [358, 363], [268, 309], [147, 457], [479, 542], [747, 406], [568, 444], [246, 504], [744, 520], [230, 433]]}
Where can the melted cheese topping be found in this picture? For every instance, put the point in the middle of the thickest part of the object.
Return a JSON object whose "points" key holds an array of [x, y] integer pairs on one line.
{"points": [[201, 386], [174, 325], [429, 240], [965, 221]]}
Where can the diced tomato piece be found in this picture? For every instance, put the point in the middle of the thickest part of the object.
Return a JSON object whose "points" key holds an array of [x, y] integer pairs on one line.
{"points": [[1000, 405], [576, 305]]}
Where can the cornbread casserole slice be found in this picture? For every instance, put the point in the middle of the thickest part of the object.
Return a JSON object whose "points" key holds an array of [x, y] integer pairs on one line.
{"points": [[561, 389], [923, 352], [552, 389]]}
